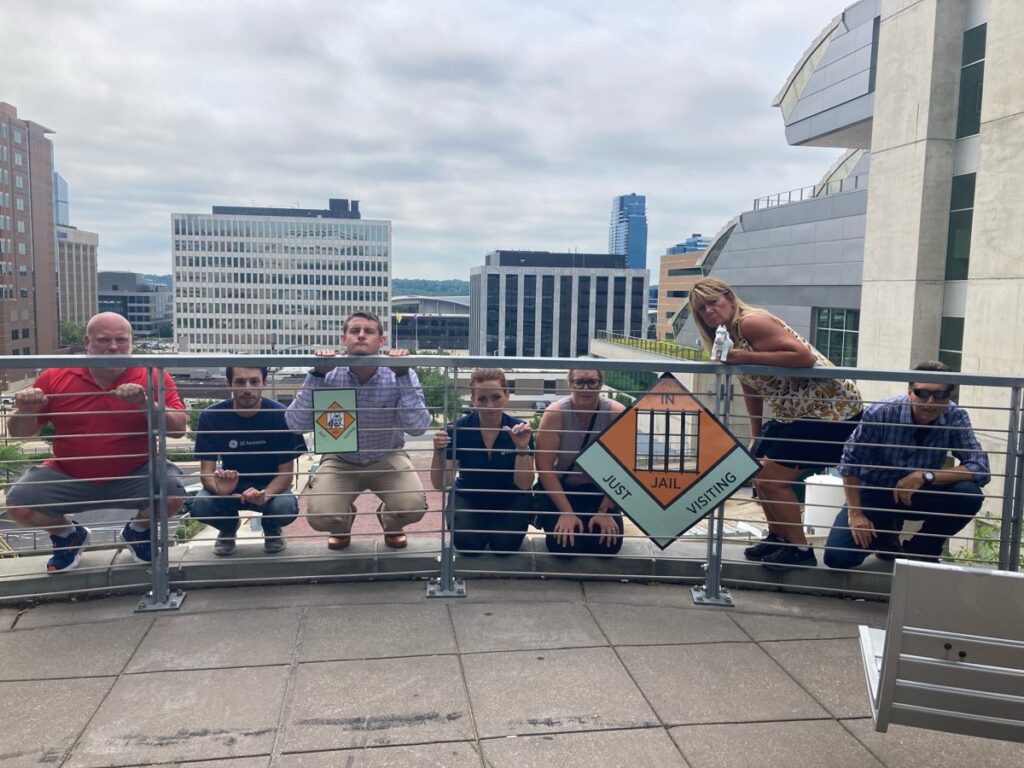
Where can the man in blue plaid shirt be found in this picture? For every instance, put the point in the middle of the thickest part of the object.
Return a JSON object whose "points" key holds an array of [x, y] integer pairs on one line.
{"points": [[893, 469], [391, 406]]}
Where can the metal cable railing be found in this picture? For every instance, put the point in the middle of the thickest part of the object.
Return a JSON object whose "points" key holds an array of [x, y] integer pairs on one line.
{"points": [[445, 538]]}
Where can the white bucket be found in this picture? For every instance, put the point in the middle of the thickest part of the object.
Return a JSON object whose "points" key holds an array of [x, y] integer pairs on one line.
{"points": [[822, 500]]}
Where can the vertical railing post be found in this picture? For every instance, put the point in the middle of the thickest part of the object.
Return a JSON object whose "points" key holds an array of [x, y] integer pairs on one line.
{"points": [[446, 585], [1013, 499], [159, 598], [712, 593]]}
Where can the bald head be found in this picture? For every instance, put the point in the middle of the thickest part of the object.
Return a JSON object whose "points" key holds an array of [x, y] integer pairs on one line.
{"points": [[108, 333]]}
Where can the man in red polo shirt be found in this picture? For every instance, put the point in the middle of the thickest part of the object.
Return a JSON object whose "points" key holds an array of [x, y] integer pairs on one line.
{"points": [[100, 446]]}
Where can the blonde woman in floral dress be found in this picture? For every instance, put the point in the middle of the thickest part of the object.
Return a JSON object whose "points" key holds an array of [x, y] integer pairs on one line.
{"points": [[811, 418]]}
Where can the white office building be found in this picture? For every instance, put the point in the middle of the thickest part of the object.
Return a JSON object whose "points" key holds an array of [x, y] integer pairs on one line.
{"points": [[263, 280]]}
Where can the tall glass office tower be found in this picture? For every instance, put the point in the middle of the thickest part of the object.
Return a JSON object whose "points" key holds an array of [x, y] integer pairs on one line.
{"points": [[627, 232]]}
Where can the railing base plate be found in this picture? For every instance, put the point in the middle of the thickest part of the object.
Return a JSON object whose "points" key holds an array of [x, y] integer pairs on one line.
{"points": [[701, 597], [148, 603], [436, 589]]}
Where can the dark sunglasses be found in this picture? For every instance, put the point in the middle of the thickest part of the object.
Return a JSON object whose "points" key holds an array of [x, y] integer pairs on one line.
{"points": [[934, 394], [585, 383]]}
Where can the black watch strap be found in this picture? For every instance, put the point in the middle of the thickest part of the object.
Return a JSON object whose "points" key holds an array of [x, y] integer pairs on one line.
{"points": [[929, 476]]}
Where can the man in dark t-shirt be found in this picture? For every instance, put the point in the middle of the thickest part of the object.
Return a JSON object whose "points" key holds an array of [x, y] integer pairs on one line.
{"points": [[257, 453]]}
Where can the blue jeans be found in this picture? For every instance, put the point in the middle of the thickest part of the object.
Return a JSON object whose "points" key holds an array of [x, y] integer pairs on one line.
{"points": [[944, 512], [222, 511]]}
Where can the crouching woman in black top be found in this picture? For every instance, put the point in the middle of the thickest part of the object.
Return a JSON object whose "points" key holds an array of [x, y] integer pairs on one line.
{"points": [[490, 456]]}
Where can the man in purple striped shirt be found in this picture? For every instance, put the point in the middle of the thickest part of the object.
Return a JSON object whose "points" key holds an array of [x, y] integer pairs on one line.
{"points": [[390, 405], [893, 469]]}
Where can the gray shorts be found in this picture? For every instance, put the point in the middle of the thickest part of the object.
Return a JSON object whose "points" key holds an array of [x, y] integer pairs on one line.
{"points": [[51, 492]]}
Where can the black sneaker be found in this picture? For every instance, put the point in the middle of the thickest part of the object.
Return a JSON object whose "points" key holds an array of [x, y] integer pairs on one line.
{"points": [[225, 544], [273, 541], [786, 558], [766, 546], [887, 546]]}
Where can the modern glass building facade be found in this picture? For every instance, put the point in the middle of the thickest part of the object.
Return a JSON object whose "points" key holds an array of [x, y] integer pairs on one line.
{"points": [[541, 304], [257, 280], [627, 231], [148, 306]]}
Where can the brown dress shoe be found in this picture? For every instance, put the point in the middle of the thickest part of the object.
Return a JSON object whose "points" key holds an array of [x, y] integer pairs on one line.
{"points": [[396, 540], [339, 542]]}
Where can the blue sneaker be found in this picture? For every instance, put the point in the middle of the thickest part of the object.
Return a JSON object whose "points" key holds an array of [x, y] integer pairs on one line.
{"points": [[67, 550], [138, 544]]}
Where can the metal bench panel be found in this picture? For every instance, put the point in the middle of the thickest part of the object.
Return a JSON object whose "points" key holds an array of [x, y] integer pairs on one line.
{"points": [[953, 657]]}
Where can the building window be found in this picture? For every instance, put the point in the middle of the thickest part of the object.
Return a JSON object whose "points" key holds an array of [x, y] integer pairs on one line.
{"points": [[972, 74], [511, 314], [565, 317], [951, 341], [835, 334], [961, 218], [667, 441], [873, 67], [583, 316], [601, 305], [619, 306], [492, 304], [547, 312], [638, 310], [529, 315]]}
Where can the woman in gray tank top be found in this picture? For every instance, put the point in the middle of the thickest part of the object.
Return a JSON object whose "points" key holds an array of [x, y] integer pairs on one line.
{"points": [[576, 515]]}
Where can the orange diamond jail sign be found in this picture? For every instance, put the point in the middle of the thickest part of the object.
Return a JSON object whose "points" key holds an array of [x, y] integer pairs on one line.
{"points": [[334, 421], [667, 461]]}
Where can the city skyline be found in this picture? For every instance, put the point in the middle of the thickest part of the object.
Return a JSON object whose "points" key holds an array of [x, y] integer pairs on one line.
{"points": [[485, 133]]}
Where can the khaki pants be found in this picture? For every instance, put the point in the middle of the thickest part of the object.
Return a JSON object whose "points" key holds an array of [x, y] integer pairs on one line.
{"points": [[331, 493]]}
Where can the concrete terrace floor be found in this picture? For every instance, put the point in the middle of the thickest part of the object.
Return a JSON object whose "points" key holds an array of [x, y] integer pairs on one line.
{"points": [[519, 673]]}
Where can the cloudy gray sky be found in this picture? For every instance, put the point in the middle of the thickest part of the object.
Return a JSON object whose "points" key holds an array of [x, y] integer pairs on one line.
{"points": [[471, 125]]}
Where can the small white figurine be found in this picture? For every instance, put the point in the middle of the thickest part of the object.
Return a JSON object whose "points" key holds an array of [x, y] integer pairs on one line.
{"points": [[720, 349]]}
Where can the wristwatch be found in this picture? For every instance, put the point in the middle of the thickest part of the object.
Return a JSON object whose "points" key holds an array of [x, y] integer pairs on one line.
{"points": [[929, 476]]}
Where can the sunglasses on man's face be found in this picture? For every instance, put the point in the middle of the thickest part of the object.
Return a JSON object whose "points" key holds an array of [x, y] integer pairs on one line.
{"points": [[934, 394], [585, 383]]}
